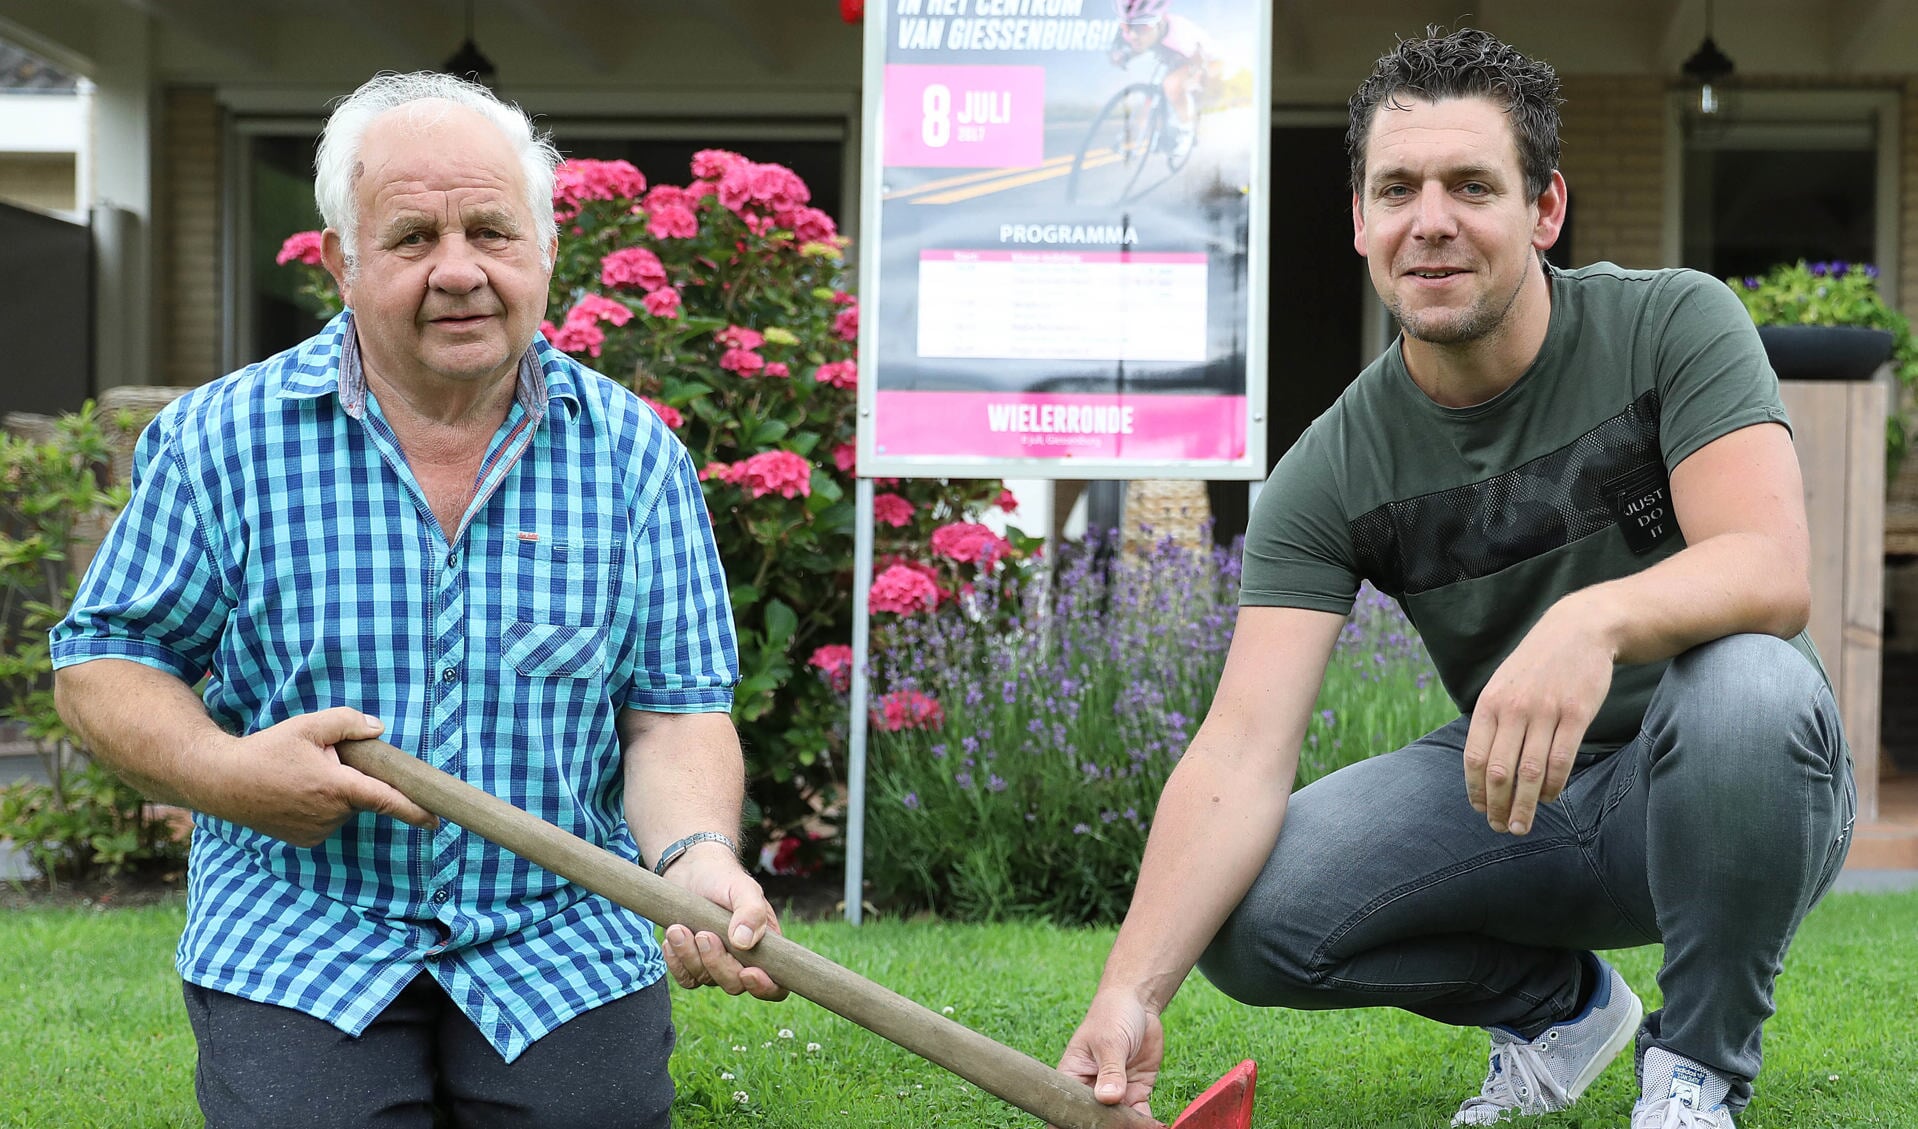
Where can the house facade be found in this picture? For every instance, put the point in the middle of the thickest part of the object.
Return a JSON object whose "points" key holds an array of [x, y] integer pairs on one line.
{"points": [[200, 118]]}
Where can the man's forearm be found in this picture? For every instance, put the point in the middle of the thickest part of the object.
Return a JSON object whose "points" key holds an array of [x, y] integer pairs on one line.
{"points": [[684, 773], [140, 722], [1730, 584], [1215, 826]]}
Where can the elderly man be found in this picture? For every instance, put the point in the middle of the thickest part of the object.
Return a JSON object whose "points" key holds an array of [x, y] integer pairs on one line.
{"points": [[1580, 486], [423, 522]]}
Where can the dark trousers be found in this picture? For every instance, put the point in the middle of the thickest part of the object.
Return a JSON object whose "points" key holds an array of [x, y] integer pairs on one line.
{"points": [[422, 1064]]}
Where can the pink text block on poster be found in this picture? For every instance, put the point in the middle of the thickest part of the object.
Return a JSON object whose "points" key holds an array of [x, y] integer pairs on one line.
{"points": [[1045, 425], [965, 117]]}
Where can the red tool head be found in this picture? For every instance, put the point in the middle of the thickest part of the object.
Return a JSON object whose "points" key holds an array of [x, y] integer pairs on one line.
{"points": [[1227, 1105]]}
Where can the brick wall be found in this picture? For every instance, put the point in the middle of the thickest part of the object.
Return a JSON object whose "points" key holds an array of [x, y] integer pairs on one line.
{"points": [[1613, 157], [188, 206]]}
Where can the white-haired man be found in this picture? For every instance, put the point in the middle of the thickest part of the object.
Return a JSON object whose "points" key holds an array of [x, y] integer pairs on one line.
{"points": [[426, 523]]}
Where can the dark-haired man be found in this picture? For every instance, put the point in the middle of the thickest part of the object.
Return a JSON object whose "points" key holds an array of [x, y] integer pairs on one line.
{"points": [[1581, 488]]}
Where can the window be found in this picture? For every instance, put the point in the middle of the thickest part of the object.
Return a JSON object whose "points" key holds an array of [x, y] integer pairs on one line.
{"points": [[273, 196], [1790, 175]]}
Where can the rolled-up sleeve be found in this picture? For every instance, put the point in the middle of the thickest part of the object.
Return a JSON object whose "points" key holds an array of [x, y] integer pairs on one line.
{"points": [[153, 593]]}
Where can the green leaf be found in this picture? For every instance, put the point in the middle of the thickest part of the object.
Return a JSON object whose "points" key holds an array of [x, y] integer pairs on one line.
{"points": [[768, 432], [781, 622]]}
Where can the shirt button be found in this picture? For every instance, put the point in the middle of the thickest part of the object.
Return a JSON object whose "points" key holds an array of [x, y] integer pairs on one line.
{"points": [[452, 561], [440, 895], [449, 674]]}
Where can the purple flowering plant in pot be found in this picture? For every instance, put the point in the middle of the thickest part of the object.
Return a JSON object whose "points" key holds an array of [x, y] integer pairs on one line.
{"points": [[723, 302], [1015, 765], [1829, 321]]}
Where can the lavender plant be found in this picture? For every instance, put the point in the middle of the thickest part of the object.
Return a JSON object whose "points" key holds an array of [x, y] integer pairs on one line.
{"points": [[1015, 767]]}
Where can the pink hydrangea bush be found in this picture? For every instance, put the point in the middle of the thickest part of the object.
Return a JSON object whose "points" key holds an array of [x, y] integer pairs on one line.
{"points": [[723, 303]]}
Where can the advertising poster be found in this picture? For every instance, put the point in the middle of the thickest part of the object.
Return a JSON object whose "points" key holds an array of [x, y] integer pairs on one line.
{"points": [[1062, 202]]}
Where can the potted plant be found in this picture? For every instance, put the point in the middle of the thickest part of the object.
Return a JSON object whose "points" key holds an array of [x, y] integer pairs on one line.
{"points": [[1827, 321]]}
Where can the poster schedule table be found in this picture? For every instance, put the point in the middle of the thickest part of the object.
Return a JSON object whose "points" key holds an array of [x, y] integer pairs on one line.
{"points": [[1063, 305]]}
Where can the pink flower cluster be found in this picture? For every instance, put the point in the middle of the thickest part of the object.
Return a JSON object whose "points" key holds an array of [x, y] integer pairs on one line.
{"points": [[903, 590], [834, 660], [301, 246], [908, 709], [602, 308], [662, 303], [745, 362], [764, 196], [670, 212], [669, 414], [632, 266], [740, 356], [969, 543], [893, 510], [769, 472], [578, 181], [839, 374], [580, 332]]}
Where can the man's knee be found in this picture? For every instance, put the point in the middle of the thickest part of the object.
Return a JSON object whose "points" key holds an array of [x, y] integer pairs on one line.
{"points": [[1251, 958], [1742, 685]]}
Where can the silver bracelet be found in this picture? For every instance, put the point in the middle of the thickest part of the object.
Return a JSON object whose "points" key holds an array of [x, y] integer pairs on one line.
{"points": [[671, 854]]}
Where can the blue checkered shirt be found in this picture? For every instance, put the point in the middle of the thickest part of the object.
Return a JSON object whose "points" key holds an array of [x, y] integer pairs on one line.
{"points": [[277, 543]]}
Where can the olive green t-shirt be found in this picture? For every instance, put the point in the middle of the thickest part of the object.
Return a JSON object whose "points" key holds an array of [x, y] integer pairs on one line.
{"points": [[1476, 520]]}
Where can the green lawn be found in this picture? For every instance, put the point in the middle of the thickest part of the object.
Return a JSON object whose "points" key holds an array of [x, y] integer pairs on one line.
{"points": [[92, 1032]]}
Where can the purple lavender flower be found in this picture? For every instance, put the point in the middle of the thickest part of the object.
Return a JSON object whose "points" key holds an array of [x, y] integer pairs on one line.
{"points": [[963, 779], [995, 783], [911, 800], [1081, 829]]}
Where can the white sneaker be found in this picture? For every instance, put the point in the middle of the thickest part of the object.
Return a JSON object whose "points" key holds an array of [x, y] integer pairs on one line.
{"points": [[1677, 1093], [1550, 1072], [1670, 1113]]}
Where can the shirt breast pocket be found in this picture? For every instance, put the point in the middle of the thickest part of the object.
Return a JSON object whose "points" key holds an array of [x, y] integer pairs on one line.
{"points": [[558, 603]]}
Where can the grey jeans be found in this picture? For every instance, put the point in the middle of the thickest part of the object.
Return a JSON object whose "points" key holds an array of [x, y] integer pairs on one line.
{"points": [[422, 1064], [1715, 831]]}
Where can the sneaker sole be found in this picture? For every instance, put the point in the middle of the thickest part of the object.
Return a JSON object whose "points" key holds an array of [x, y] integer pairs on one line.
{"points": [[1615, 1042]]}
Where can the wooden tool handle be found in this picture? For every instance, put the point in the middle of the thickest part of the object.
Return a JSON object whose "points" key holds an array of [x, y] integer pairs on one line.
{"points": [[1016, 1077]]}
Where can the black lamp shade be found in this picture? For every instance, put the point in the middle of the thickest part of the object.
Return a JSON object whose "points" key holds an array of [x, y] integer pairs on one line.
{"points": [[1708, 64], [467, 62]]}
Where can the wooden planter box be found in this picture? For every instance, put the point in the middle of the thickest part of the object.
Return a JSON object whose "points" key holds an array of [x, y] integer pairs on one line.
{"points": [[1838, 427]]}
